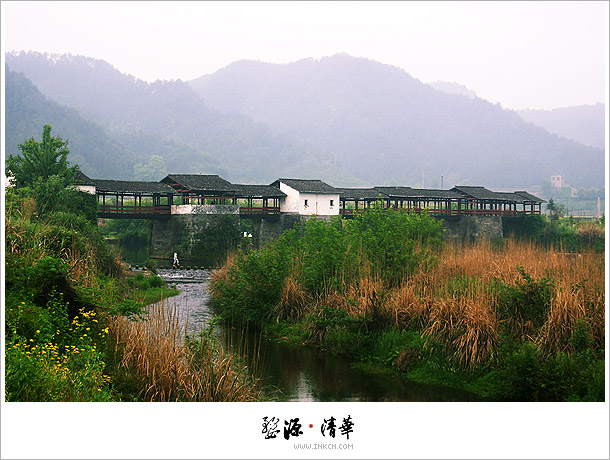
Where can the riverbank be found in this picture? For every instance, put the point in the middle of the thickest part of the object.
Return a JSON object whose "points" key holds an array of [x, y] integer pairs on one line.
{"points": [[80, 325], [509, 322]]}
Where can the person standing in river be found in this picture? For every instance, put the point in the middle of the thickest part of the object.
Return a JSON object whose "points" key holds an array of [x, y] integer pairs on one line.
{"points": [[176, 262]]}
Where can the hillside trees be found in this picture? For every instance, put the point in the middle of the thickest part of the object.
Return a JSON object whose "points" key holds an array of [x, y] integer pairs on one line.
{"points": [[96, 153], [154, 170]]}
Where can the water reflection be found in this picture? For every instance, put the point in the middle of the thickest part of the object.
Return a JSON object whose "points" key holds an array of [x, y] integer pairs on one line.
{"points": [[296, 372]]}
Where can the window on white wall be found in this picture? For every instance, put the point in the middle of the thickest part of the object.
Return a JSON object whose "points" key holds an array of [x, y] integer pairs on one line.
{"points": [[332, 202], [306, 203]]}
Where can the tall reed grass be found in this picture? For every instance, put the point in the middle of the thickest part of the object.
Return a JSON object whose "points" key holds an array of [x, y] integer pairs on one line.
{"points": [[177, 369], [457, 301]]}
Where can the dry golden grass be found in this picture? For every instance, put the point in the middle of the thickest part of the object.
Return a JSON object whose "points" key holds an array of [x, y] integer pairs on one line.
{"points": [[294, 301], [456, 302], [364, 296], [156, 349], [405, 307], [572, 307], [468, 329], [467, 323], [220, 275]]}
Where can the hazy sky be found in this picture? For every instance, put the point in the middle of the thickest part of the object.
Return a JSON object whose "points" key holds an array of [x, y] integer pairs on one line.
{"points": [[521, 54]]}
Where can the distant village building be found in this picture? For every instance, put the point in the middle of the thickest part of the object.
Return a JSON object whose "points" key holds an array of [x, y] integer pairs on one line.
{"points": [[308, 197], [557, 181], [9, 181]]}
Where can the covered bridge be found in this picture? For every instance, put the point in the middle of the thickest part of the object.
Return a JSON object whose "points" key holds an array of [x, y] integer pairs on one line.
{"points": [[118, 198]]}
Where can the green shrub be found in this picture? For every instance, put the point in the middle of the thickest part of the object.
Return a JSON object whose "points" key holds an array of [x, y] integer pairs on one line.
{"points": [[325, 256], [395, 242], [529, 300], [151, 265], [52, 195], [524, 374], [155, 282], [333, 328], [389, 344]]}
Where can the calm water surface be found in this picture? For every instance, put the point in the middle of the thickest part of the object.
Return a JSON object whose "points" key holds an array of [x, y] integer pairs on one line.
{"points": [[295, 372]]}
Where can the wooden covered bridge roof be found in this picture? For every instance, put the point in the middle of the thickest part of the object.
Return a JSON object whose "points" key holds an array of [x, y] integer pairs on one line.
{"points": [[359, 194], [257, 191], [198, 183], [131, 187], [214, 185], [408, 193], [483, 194]]}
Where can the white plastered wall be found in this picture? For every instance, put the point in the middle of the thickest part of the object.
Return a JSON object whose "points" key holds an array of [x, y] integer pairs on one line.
{"points": [[308, 204]]}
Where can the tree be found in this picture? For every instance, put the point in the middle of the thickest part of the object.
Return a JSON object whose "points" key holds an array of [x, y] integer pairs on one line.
{"points": [[557, 210], [154, 170], [41, 160]]}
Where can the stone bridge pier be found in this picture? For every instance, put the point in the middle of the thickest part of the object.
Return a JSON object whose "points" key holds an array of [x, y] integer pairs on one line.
{"points": [[471, 228], [202, 235]]}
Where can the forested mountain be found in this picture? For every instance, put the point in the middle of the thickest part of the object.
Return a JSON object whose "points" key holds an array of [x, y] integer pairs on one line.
{"points": [[582, 123], [349, 121], [28, 110], [383, 125], [100, 152], [169, 119]]}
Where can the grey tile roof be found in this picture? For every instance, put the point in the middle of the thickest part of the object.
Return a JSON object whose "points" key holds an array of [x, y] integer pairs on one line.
{"points": [[529, 197], [351, 194], [257, 191], [199, 182], [511, 196], [395, 192], [82, 179], [434, 193], [480, 193], [408, 193], [307, 185], [123, 186]]}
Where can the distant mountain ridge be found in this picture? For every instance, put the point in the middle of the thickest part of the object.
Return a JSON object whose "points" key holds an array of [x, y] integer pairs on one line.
{"points": [[348, 121], [28, 110], [453, 88], [383, 125], [172, 121], [583, 123]]}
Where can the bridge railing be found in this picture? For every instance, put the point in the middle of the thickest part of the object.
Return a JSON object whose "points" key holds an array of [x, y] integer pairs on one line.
{"points": [[432, 212], [131, 209], [497, 212], [454, 212], [259, 210]]}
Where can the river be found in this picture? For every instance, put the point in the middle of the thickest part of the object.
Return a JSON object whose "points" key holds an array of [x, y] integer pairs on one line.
{"points": [[296, 372]]}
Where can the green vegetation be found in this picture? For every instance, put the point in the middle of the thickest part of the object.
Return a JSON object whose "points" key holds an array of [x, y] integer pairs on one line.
{"points": [[63, 285], [564, 234], [323, 257], [131, 236], [39, 161], [510, 321]]}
